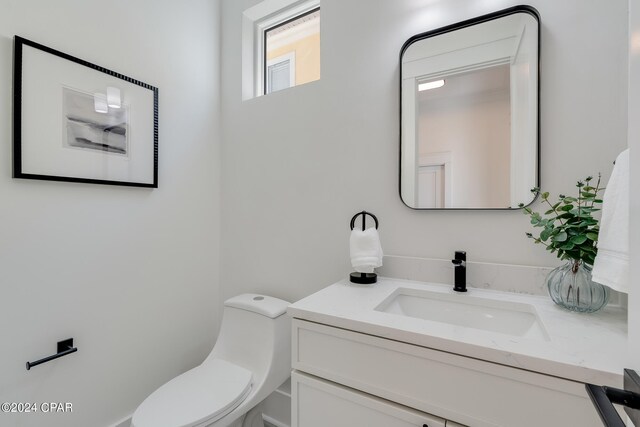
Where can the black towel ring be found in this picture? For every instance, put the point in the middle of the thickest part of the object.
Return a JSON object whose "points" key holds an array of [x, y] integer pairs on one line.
{"points": [[364, 218], [363, 278]]}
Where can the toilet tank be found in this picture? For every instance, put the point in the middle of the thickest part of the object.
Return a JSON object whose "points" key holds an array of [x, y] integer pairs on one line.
{"points": [[256, 334]]}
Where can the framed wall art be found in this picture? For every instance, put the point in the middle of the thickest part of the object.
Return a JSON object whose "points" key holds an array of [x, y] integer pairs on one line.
{"points": [[78, 122]]}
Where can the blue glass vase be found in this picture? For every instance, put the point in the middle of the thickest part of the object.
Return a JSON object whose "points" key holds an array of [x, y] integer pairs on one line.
{"points": [[570, 286]]}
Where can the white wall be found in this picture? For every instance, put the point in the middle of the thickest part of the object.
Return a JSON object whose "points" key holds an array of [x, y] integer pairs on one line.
{"points": [[299, 163], [131, 274], [634, 162]]}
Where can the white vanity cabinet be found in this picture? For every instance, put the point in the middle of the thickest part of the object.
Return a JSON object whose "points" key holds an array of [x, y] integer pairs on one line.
{"points": [[320, 403], [347, 378]]}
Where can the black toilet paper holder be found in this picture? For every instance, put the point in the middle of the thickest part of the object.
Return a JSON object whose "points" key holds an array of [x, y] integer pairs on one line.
{"points": [[64, 347], [363, 278]]}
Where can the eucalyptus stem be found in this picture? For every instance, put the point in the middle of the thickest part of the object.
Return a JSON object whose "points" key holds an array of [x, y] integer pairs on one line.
{"points": [[569, 228], [579, 197], [597, 188], [554, 211]]}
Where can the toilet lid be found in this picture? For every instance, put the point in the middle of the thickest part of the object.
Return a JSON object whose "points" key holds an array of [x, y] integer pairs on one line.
{"points": [[205, 393]]}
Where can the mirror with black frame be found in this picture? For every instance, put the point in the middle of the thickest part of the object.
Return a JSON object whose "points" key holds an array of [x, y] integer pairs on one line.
{"points": [[470, 113]]}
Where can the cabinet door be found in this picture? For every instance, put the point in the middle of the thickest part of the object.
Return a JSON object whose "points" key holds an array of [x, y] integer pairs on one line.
{"points": [[469, 391], [319, 403]]}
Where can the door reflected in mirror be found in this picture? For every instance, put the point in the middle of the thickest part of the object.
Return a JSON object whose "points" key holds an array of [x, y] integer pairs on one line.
{"points": [[469, 122]]}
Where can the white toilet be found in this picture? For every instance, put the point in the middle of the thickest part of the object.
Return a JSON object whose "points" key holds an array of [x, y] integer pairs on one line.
{"points": [[250, 359]]}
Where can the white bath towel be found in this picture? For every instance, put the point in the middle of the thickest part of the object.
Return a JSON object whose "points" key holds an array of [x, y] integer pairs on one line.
{"points": [[366, 251], [611, 266]]}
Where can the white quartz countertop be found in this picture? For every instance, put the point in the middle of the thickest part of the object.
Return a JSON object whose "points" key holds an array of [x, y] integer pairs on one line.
{"points": [[589, 348]]}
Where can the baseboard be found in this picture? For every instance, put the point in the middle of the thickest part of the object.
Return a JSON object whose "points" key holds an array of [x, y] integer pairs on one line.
{"points": [[271, 422], [276, 408], [125, 422]]}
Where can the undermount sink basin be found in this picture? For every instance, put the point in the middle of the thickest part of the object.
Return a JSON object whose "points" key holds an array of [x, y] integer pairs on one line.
{"points": [[503, 317]]}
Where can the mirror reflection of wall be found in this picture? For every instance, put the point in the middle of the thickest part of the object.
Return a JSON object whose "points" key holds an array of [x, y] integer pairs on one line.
{"points": [[466, 121], [469, 114]]}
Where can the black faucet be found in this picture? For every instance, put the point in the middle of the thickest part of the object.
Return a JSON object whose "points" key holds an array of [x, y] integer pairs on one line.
{"points": [[460, 271]]}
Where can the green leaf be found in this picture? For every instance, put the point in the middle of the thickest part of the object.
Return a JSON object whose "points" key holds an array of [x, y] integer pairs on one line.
{"points": [[567, 207], [573, 254], [545, 234], [592, 236], [567, 246], [536, 222], [560, 237], [578, 239], [572, 225]]}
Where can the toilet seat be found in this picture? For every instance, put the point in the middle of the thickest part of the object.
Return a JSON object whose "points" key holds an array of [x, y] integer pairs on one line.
{"points": [[197, 397]]}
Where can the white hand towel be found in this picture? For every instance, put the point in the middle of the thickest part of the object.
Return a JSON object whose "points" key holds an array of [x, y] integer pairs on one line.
{"points": [[611, 266], [366, 251]]}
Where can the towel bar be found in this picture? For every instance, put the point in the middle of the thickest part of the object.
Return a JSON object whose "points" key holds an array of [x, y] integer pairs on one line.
{"points": [[603, 399]]}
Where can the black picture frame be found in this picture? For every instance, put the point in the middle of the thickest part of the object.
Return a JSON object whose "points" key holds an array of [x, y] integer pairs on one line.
{"points": [[40, 93]]}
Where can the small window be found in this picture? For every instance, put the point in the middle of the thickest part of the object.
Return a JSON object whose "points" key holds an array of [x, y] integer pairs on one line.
{"points": [[292, 52]]}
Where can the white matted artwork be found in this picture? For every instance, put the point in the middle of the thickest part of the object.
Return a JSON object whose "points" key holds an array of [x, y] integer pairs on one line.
{"points": [[85, 128], [79, 122]]}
